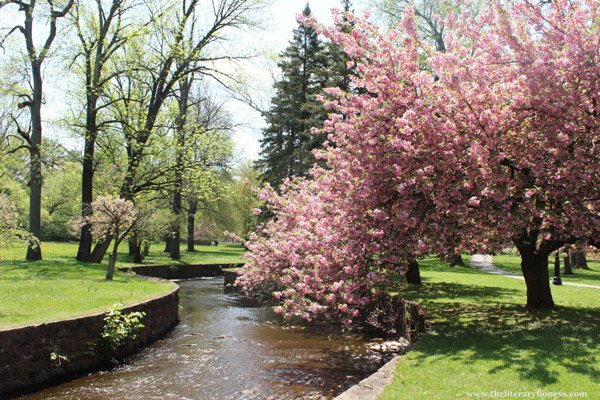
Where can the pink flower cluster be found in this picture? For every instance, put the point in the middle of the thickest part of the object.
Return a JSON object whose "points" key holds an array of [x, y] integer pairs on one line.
{"points": [[464, 150], [110, 217]]}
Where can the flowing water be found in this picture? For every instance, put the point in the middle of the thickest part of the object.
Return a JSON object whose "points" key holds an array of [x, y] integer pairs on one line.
{"points": [[228, 348]]}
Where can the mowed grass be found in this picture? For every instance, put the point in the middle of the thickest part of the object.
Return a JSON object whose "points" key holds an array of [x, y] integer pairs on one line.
{"points": [[60, 287], [221, 254], [512, 263], [484, 341]]}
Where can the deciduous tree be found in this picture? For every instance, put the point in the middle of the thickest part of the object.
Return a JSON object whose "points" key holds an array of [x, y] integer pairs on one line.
{"points": [[102, 29], [33, 100]]}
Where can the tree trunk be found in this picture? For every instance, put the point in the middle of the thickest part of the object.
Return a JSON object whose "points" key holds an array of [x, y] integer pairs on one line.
{"points": [[112, 259], [135, 249], [537, 279], [34, 250], [567, 262], [191, 225], [578, 259], [455, 259], [145, 248], [111, 267], [175, 252], [87, 182], [100, 250], [175, 235], [413, 274], [168, 244], [84, 253], [185, 86]]}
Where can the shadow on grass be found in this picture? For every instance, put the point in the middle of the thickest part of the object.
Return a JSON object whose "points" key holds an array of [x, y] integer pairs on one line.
{"points": [[187, 258], [427, 294], [509, 337]]}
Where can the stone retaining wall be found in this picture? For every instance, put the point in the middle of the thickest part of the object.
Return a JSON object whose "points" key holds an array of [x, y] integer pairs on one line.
{"points": [[229, 279], [25, 353], [182, 271], [411, 321]]}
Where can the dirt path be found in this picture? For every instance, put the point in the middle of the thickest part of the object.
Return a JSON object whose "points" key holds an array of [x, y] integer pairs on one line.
{"points": [[484, 263]]}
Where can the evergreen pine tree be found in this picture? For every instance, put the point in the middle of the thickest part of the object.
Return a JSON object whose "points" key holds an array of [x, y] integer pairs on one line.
{"points": [[308, 66], [287, 142]]}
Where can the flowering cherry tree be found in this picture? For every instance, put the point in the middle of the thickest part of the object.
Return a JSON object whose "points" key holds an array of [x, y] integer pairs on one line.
{"points": [[110, 217], [495, 141]]}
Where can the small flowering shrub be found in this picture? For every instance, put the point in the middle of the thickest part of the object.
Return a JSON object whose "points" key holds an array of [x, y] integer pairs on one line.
{"points": [[111, 218]]}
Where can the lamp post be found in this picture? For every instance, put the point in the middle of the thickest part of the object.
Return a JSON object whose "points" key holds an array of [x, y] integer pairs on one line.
{"points": [[556, 281]]}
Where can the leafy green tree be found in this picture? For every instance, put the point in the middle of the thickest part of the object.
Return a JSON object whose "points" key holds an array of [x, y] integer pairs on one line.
{"points": [[211, 152], [8, 220], [245, 199], [33, 99], [59, 200], [102, 28], [181, 44]]}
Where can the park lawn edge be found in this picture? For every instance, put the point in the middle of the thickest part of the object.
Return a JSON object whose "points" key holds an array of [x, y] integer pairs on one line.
{"points": [[485, 343], [167, 286], [59, 288]]}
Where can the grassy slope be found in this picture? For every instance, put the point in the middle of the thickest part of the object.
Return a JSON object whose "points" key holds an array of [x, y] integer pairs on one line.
{"points": [[60, 287], [484, 340], [591, 277]]}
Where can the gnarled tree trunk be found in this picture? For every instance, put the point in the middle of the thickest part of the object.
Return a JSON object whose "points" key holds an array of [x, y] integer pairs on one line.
{"points": [[578, 259], [537, 279], [135, 248]]}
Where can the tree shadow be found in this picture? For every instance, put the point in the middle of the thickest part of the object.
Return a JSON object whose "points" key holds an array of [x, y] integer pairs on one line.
{"points": [[429, 294], [530, 343]]}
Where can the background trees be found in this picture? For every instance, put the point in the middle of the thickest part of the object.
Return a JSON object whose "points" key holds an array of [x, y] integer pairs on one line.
{"points": [[102, 29], [130, 63]]}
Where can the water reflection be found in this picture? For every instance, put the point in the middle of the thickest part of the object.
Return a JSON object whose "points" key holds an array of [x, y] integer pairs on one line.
{"points": [[227, 348]]}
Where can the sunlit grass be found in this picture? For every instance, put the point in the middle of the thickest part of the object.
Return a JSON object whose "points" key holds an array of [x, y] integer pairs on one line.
{"points": [[60, 287], [484, 339], [223, 253]]}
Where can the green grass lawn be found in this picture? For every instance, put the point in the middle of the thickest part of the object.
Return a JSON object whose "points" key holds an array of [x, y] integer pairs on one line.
{"points": [[223, 253], [484, 340], [512, 263], [60, 287]]}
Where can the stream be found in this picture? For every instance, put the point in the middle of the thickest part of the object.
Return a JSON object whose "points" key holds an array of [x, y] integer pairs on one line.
{"points": [[226, 347]]}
